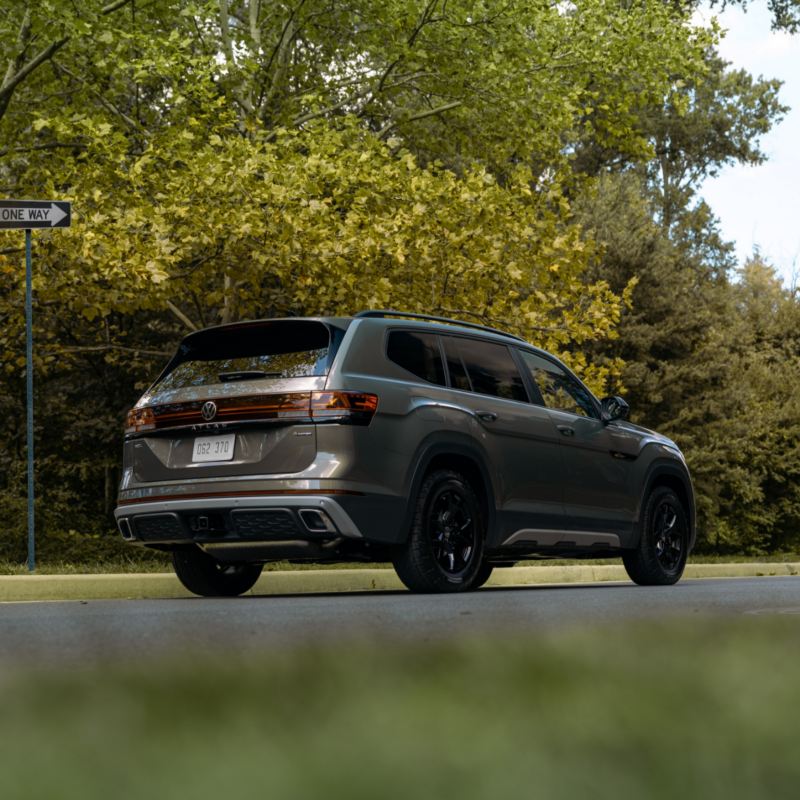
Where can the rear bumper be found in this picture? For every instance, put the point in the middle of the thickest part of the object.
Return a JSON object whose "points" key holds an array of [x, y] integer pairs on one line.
{"points": [[220, 521]]}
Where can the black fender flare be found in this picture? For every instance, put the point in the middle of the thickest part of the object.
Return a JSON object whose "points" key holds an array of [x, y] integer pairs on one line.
{"points": [[445, 444], [674, 469]]}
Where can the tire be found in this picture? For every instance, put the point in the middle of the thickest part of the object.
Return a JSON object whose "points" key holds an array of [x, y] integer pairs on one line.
{"points": [[483, 575], [204, 575], [664, 543], [444, 552]]}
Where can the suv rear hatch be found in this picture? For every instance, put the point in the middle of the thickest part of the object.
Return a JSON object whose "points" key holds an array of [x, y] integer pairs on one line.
{"points": [[240, 399]]}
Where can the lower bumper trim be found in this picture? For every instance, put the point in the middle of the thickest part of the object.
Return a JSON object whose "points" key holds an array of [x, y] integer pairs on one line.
{"points": [[212, 495], [249, 516]]}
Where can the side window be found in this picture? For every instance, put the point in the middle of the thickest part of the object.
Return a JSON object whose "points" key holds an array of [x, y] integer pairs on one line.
{"points": [[559, 390], [490, 368], [455, 366], [418, 353]]}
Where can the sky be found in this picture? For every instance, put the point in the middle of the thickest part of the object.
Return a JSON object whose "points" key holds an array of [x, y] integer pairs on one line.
{"points": [[759, 206]]}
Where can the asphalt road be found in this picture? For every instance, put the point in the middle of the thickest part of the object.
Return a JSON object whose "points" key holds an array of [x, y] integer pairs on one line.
{"points": [[77, 632]]}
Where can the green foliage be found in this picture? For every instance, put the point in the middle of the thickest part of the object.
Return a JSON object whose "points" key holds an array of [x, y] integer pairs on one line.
{"points": [[713, 363], [706, 124], [319, 221], [785, 13], [710, 352]]}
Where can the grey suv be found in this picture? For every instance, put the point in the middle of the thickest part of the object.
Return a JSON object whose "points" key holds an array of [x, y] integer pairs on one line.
{"points": [[445, 447]]}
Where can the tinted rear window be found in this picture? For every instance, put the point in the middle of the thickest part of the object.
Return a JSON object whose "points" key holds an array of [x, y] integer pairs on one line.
{"points": [[418, 353], [491, 368], [281, 349]]}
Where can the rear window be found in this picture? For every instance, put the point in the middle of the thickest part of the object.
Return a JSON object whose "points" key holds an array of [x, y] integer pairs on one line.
{"points": [[418, 353], [281, 349]]}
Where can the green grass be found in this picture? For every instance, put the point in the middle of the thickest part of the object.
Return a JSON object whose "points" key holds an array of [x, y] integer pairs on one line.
{"points": [[775, 558], [162, 563], [111, 565], [159, 562], [695, 709]]}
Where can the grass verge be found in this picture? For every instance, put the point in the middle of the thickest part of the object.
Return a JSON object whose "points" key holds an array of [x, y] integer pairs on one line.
{"points": [[161, 562], [700, 709]]}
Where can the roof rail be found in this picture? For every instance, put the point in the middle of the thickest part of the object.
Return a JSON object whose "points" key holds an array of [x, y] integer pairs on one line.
{"points": [[431, 318]]}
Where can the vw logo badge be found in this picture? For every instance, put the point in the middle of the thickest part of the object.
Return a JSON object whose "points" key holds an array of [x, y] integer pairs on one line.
{"points": [[209, 410]]}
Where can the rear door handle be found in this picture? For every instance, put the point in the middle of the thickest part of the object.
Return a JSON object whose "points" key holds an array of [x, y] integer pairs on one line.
{"points": [[565, 430], [486, 416]]}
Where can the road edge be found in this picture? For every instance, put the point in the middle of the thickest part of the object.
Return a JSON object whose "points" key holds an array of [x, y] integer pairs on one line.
{"points": [[20, 588]]}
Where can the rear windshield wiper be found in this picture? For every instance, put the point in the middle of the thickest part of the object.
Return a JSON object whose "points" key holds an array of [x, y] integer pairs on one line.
{"points": [[247, 375]]}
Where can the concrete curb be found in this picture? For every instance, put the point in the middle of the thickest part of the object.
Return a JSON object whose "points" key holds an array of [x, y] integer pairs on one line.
{"points": [[166, 585]]}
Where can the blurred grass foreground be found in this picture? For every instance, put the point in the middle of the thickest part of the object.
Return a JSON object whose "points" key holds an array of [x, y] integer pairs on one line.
{"points": [[692, 710]]}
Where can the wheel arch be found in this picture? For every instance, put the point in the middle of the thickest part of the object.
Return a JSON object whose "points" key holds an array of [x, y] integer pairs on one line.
{"points": [[460, 456], [672, 475]]}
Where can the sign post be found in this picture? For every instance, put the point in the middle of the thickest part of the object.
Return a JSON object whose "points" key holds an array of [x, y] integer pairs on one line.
{"points": [[29, 393], [29, 214]]}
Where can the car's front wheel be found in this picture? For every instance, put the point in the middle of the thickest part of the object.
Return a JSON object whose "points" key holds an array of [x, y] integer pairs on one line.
{"points": [[445, 546], [204, 575], [483, 575], [664, 543]]}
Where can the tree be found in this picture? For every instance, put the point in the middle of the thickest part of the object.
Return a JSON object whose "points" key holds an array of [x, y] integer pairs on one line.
{"points": [[692, 362], [32, 40], [233, 158], [706, 124], [199, 79], [785, 13], [486, 80], [711, 362]]}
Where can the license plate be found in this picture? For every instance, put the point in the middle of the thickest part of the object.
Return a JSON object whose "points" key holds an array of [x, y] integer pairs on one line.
{"points": [[214, 448]]}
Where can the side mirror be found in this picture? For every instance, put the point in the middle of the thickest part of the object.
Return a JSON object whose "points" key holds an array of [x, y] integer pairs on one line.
{"points": [[612, 408]]}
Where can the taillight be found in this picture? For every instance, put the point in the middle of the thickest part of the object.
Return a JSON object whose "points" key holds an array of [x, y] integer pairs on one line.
{"points": [[352, 406], [140, 419], [271, 406], [348, 407]]}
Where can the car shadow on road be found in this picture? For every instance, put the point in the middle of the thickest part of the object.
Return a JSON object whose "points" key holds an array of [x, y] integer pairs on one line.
{"points": [[539, 587]]}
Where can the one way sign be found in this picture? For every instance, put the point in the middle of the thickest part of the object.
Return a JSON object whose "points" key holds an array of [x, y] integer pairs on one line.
{"points": [[35, 214]]}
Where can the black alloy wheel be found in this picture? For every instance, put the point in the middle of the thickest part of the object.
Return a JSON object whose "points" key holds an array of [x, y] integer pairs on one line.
{"points": [[660, 558], [452, 529], [445, 547], [668, 537]]}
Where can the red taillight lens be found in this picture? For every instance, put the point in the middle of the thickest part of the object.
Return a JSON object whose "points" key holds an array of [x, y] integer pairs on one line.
{"points": [[140, 419], [354, 406], [273, 406], [347, 407]]}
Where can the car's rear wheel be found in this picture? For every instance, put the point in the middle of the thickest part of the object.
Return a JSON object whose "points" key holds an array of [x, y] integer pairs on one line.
{"points": [[660, 558], [202, 574], [444, 552]]}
